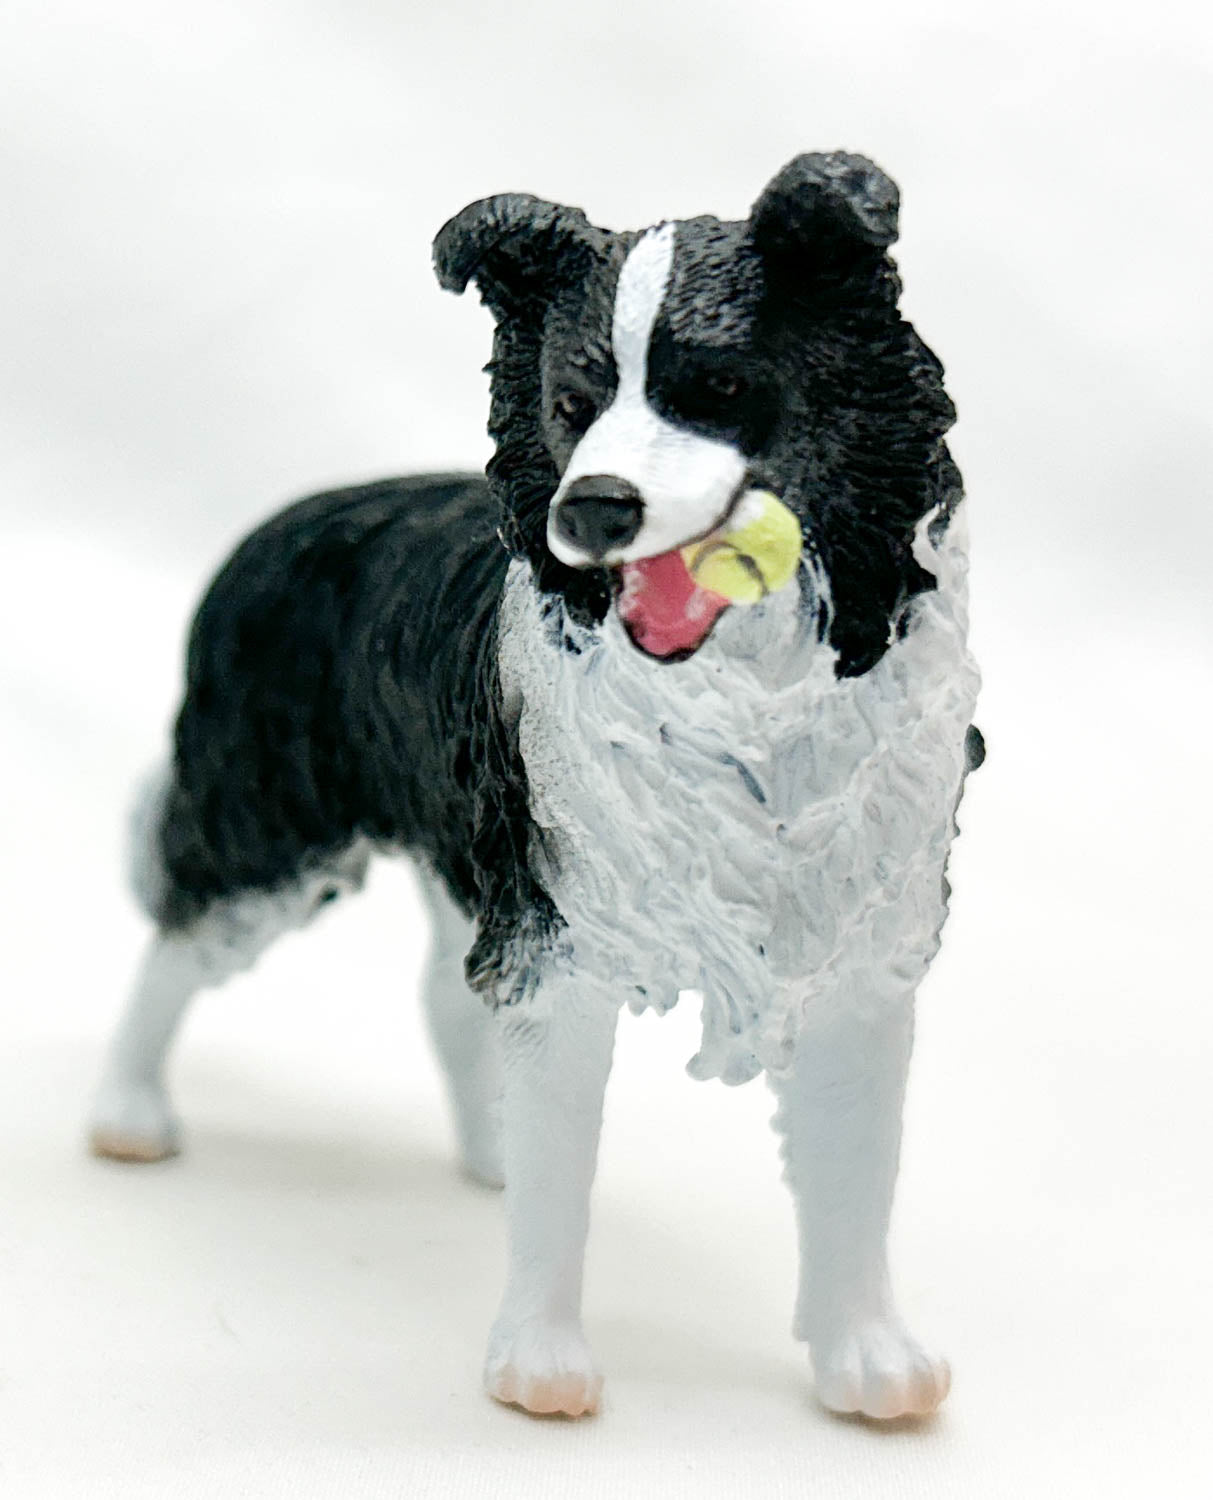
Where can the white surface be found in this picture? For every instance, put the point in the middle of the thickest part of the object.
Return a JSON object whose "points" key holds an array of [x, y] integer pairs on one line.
{"points": [[216, 295]]}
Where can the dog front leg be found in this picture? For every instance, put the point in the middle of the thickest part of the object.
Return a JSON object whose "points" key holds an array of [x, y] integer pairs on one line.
{"points": [[840, 1113], [556, 1057]]}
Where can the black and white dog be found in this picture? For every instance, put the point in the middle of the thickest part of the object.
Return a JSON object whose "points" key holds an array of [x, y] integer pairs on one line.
{"points": [[616, 786]]}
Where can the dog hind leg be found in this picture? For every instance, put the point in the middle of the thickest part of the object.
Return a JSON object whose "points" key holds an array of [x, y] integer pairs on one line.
{"points": [[556, 1058], [465, 1037], [840, 1114], [132, 1119]]}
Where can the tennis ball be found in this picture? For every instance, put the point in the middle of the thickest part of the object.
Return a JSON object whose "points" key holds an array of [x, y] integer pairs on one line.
{"points": [[756, 555]]}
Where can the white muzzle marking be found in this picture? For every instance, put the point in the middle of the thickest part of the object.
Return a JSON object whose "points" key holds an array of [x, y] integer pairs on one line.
{"points": [[686, 481]]}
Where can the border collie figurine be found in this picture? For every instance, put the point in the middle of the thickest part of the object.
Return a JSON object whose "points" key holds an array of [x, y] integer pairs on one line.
{"points": [[627, 755]]}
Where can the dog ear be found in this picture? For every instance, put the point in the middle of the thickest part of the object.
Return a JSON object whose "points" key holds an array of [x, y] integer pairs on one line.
{"points": [[826, 213], [515, 247]]}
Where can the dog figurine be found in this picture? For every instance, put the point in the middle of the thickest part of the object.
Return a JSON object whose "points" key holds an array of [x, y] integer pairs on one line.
{"points": [[678, 698]]}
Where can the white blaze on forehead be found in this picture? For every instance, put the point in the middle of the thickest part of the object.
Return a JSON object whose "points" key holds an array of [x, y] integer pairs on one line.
{"points": [[687, 482], [638, 298]]}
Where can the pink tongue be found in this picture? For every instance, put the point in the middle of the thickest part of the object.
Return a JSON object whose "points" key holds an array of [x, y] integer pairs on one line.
{"points": [[663, 609]]}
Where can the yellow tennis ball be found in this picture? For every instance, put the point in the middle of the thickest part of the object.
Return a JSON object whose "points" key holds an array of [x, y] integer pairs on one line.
{"points": [[721, 568], [758, 554]]}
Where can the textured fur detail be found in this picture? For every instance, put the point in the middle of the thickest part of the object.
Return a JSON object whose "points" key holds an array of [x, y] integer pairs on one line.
{"points": [[750, 825]]}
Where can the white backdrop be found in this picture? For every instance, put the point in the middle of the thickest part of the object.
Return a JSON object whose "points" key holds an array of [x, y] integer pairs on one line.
{"points": [[215, 292]]}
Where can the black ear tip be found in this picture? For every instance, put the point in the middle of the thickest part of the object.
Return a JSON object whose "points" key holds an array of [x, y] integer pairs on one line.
{"points": [[509, 243], [453, 266], [841, 186], [460, 245], [871, 193]]}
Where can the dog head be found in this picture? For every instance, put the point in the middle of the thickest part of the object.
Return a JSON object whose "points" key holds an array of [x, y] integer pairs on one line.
{"points": [[644, 384]]}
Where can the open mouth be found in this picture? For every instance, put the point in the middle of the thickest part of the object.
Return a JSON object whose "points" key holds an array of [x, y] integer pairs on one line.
{"points": [[664, 611], [668, 604]]}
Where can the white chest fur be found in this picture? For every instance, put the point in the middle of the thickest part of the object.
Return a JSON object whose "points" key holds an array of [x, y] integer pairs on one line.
{"points": [[744, 823]]}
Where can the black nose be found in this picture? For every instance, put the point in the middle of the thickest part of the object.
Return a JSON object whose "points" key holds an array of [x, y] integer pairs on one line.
{"points": [[599, 513]]}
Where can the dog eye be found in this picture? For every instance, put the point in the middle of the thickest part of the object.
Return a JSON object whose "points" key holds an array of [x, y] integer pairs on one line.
{"points": [[725, 387], [574, 410], [714, 396]]}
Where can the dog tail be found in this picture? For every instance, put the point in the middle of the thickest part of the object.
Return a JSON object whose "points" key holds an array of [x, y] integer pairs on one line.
{"points": [[145, 870]]}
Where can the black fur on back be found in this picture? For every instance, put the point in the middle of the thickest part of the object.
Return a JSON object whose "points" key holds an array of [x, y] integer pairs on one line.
{"points": [[342, 682]]}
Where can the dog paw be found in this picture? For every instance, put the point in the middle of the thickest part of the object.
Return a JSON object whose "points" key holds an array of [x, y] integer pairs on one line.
{"points": [[133, 1122], [545, 1368], [878, 1370]]}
